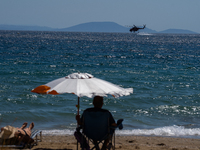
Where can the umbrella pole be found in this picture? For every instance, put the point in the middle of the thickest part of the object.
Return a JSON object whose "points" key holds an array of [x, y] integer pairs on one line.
{"points": [[78, 114], [78, 105]]}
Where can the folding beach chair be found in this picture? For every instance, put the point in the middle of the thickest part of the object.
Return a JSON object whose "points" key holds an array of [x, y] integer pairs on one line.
{"points": [[96, 130], [36, 135]]}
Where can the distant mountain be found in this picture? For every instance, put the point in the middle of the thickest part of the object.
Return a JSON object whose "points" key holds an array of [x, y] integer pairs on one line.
{"points": [[93, 27], [96, 27], [102, 27], [178, 31]]}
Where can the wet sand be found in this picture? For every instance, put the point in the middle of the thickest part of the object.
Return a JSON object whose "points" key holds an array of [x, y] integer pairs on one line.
{"points": [[123, 143]]}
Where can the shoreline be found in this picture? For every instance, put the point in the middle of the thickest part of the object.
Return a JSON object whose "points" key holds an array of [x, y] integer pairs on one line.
{"points": [[68, 142]]}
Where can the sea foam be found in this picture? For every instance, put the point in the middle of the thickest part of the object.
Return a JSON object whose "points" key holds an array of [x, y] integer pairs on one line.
{"points": [[171, 131]]}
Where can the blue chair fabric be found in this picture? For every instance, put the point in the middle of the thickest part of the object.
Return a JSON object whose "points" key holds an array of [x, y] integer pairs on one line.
{"points": [[96, 125], [95, 129]]}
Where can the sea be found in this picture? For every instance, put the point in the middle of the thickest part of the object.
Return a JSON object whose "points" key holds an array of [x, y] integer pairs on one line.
{"points": [[162, 69]]}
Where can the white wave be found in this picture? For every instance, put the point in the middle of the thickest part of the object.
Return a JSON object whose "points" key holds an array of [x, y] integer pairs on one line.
{"points": [[177, 131], [163, 131], [58, 132], [144, 33]]}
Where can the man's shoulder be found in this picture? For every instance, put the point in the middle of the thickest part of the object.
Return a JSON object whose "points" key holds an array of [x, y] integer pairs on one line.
{"points": [[89, 109], [104, 110], [96, 109]]}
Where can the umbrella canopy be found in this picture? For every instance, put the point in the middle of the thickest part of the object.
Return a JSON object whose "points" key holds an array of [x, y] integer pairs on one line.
{"points": [[82, 84]]}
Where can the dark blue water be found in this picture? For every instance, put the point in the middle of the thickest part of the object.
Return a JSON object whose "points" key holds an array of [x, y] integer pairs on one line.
{"points": [[163, 70]]}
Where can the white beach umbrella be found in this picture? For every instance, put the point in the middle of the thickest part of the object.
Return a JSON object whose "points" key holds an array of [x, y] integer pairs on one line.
{"points": [[82, 84]]}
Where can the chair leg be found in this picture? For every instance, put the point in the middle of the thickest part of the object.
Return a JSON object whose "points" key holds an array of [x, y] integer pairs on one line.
{"points": [[96, 145], [114, 141], [111, 144]]}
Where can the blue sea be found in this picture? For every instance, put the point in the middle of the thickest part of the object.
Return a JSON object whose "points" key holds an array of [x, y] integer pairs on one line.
{"points": [[163, 70]]}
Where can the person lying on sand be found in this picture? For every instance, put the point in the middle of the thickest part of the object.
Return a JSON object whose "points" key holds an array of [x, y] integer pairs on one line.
{"points": [[12, 135]]}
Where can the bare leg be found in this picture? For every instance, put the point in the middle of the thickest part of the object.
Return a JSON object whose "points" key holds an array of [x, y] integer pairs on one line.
{"points": [[31, 126], [28, 130], [24, 125]]}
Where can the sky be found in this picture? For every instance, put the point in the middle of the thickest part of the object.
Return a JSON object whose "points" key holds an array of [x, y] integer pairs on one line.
{"points": [[158, 15]]}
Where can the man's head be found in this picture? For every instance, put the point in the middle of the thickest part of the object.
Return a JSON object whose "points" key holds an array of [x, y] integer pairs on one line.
{"points": [[98, 101]]}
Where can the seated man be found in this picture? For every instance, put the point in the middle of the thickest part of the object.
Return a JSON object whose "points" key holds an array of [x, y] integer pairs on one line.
{"points": [[11, 135], [98, 103]]}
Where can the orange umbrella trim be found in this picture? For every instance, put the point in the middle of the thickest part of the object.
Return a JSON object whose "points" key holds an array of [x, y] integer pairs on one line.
{"points": [[42, 89], [54, 92]]}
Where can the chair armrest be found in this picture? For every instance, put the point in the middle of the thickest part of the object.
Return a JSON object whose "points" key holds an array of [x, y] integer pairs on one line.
{"points": [[119, 124]]}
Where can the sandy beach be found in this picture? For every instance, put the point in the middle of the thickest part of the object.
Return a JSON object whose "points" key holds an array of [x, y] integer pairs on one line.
{"points": [[124, 143]]}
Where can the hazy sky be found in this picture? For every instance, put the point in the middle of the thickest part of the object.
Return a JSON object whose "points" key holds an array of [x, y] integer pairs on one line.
{"points": [[156, 14]]}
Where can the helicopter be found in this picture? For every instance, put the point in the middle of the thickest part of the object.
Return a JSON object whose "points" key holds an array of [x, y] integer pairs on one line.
{"points": [[134, 28]]}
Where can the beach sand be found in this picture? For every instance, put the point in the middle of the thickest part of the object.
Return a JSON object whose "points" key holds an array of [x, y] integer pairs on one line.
{"points": [[123, 143]]}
